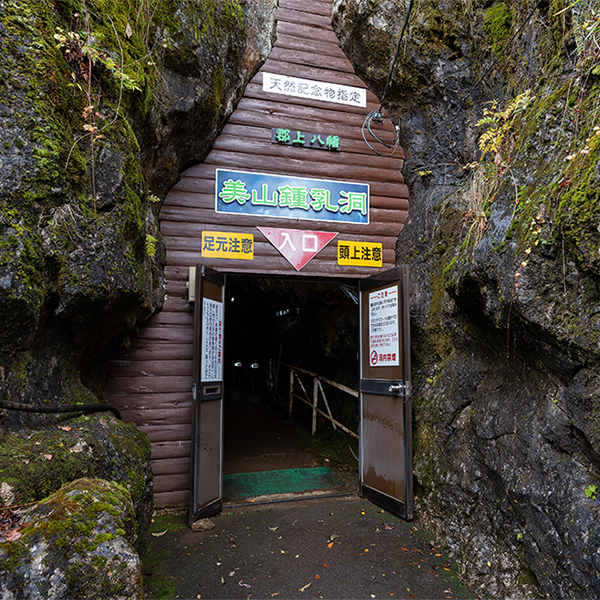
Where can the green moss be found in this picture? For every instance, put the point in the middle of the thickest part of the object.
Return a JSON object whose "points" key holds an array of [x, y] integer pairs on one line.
{"points": [[497, 25]]}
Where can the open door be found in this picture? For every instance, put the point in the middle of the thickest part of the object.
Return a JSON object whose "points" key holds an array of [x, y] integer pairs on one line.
{"points": [[385, 388], [206, 498]]}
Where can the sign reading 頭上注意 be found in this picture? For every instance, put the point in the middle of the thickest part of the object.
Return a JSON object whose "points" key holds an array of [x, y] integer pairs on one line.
{"points": [[360, 254], [314, 90], [260, 194]]}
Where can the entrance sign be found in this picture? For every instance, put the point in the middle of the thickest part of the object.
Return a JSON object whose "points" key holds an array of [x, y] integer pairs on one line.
{"points": [[212, 341], [383, 328], [297, 246], [220, 244], [320, 141], [259, 194], [360, 254], [314, 90]]}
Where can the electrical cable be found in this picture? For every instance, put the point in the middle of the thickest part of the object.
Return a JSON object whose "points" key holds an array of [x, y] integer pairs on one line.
{"points": [[61, 409], [376, 116], [481, 79], [387, 83]]}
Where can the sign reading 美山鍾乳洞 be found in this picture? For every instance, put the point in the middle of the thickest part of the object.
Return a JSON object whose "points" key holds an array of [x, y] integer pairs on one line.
{"points": [[279, 196], [360, 254], [221, 244]]}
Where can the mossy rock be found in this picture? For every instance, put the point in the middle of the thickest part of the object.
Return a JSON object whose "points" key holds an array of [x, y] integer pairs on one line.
{"points": [[36, 463], [77, 543]]}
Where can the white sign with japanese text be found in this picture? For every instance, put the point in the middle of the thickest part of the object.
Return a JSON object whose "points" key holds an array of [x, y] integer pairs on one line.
{"points": [[384, 335], [212, 341], [314, 90]]}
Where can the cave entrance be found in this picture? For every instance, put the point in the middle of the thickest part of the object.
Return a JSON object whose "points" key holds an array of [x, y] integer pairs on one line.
{"points": [[269, 323], [238, 329]]}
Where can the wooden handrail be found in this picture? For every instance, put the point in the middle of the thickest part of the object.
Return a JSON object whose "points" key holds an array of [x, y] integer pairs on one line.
{"points": [[317, 385]]}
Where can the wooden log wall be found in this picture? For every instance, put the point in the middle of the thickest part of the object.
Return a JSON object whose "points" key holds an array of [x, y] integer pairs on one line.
{"points": [[150, 383]]}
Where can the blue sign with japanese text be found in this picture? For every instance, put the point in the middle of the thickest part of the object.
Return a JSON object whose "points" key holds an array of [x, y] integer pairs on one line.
{"points": [[260, 194]]}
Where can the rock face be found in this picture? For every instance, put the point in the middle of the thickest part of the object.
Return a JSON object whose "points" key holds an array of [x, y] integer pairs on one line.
{"points": [[102, 104], [78, 543], [504, 258], [101, 109]]}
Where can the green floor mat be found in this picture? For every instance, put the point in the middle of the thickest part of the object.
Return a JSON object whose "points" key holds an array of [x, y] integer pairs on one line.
{"points": [[242, 485]]}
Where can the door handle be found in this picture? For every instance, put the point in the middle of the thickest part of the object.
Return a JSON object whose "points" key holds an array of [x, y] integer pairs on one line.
{"points": [[396, 389]]}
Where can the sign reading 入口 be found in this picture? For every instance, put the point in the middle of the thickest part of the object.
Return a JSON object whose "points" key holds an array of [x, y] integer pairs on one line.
{"points": [[384, 349], [297, 247], [260, 194], [314, 90]]}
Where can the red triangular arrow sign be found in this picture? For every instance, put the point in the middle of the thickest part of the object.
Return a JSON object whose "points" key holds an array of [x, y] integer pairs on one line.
{"points": [[297, 246]]}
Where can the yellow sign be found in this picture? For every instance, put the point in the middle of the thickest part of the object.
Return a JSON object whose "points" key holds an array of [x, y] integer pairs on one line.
{"points": [[360, 254], [220, 244]]}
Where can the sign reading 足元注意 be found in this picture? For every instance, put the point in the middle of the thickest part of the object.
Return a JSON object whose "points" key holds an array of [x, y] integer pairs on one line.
{"points": [[314, 90], [264, 195], [222, 244]]}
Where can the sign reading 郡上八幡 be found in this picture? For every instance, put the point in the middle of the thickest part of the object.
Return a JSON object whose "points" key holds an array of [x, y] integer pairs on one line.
{"points": [[280, 196]]}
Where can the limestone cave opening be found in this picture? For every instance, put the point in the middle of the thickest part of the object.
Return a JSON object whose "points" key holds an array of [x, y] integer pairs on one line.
{"points": [[310, 324]]}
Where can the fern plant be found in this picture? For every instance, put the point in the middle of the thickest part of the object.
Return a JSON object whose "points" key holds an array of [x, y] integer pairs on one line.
{"points": [[150, 246], [499, 122]]}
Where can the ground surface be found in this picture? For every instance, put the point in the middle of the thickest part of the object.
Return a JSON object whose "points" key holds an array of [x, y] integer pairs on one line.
{"points": [[303, 545], [322, 548]]}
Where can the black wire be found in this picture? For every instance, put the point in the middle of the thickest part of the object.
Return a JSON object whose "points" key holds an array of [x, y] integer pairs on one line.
{"points": [[389, 78], [61, 409], [487, 72], [376, 115]]}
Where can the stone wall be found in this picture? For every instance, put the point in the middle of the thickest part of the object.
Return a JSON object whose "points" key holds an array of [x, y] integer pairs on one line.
{"points": [[503, 246]]}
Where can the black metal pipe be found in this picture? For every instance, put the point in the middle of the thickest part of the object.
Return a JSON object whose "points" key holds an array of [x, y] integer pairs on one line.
{"points": [[61, 409]]}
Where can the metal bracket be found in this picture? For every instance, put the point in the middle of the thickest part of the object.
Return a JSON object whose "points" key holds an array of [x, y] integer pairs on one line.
{"points": [[194, 392], [191, 285], [385, 387]]}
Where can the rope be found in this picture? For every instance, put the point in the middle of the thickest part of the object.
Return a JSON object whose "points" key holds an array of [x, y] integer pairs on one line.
{"points": [[389, 78]]}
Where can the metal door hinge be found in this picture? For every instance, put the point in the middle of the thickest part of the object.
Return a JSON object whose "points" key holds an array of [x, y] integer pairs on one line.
{"points": [[194, 393]]}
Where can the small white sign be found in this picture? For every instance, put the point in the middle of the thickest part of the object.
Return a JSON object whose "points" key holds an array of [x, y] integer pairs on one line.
{"points": [[384, 334], [212, 341], [314, 90]]}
